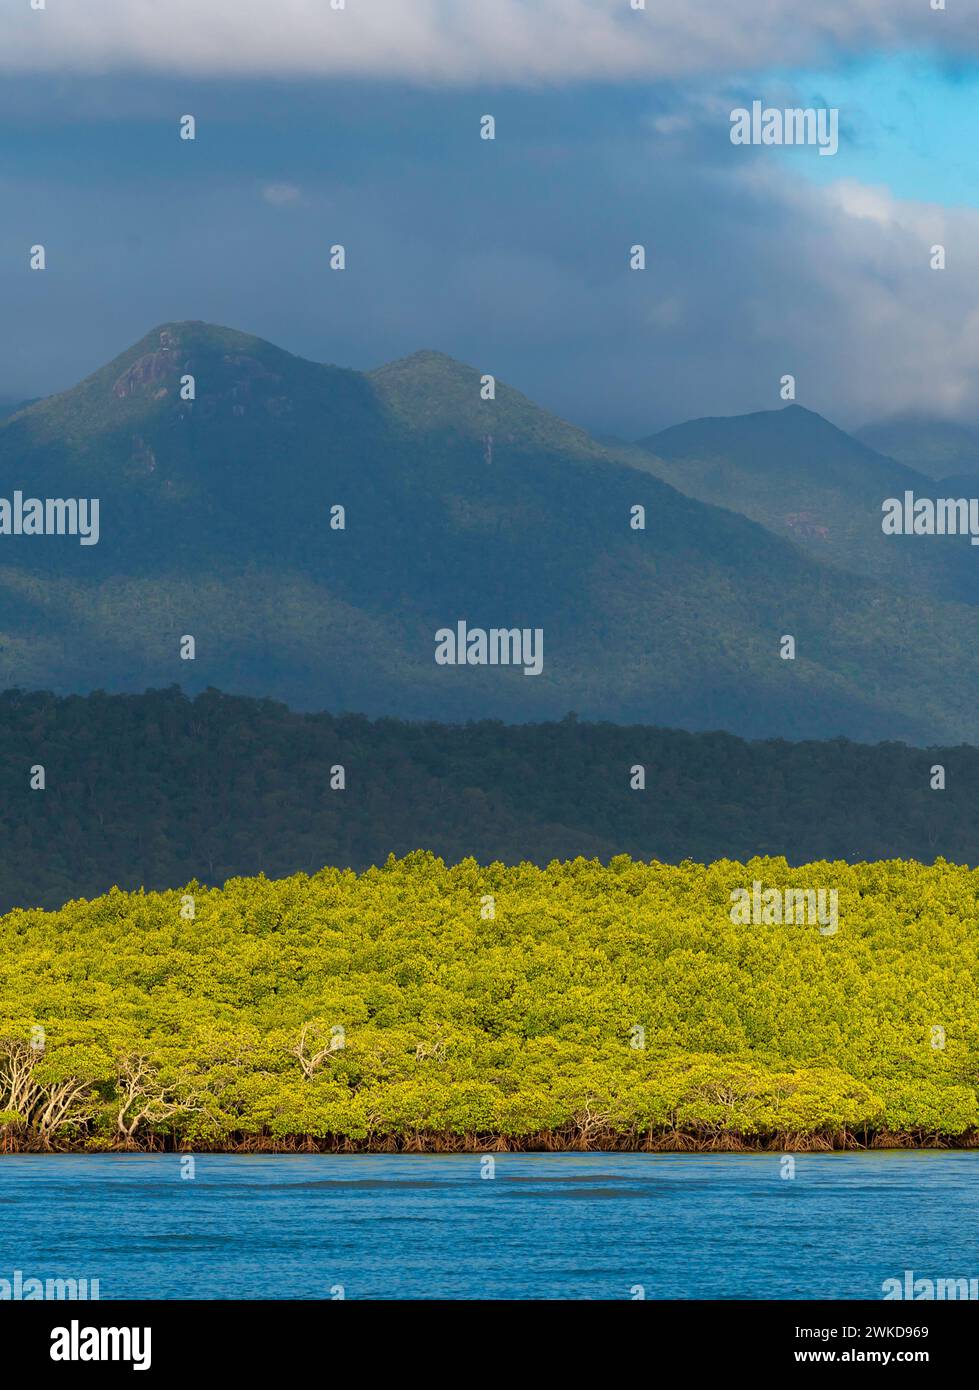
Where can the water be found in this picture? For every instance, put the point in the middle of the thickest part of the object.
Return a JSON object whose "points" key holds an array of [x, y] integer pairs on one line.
{"points": [[546, 1226]]}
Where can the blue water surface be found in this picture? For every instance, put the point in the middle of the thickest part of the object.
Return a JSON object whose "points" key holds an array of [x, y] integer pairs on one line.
{"points": [[571, 1226]]}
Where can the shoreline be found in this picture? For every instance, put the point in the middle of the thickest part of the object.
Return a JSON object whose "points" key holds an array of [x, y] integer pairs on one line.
{"points": [[439, 1145]]}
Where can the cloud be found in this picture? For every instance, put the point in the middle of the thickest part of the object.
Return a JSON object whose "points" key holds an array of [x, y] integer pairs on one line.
{"points": [[517, 265], [468, 41], [913, 331], [281, 194]]}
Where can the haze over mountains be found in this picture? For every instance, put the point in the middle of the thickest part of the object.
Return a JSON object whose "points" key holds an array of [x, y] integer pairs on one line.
{"points": [[939, 448], [215, 522]]}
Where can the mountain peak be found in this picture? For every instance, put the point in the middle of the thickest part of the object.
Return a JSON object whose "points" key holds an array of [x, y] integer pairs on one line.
{"points": [[188, 369], [789, 426], [426, 366], [431, 392], [423, 357], [197, 336]]}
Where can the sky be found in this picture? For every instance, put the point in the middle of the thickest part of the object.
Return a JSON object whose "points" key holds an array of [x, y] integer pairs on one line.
{"points": [[361, 126]]}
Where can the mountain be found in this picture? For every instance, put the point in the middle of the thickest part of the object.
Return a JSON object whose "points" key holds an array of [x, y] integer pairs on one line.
{"points": [[802, 478], [938, 448], [215, 522]]}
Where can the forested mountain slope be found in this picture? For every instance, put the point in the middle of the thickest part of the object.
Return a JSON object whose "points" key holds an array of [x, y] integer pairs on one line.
{"points": [[217, 522]]}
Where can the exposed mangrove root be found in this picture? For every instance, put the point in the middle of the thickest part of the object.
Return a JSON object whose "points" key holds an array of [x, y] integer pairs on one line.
{"points": [[571, 1139]]}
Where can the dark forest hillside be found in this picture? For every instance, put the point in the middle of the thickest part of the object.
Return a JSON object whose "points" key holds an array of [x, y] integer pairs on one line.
{"points": [[157, 789]]}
